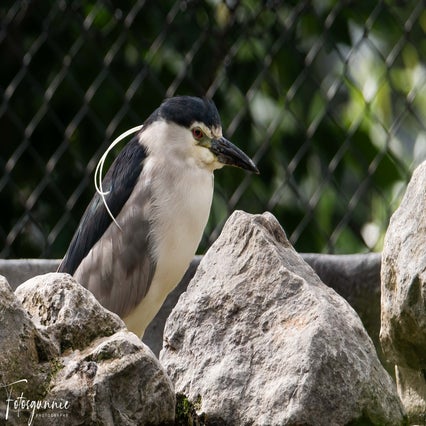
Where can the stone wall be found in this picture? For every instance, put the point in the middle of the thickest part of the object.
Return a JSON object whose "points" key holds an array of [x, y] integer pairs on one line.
{"points": [[355, 277]]}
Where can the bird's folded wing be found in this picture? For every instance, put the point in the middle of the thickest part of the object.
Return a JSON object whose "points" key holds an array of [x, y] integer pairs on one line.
{"points": [[96, 231]]}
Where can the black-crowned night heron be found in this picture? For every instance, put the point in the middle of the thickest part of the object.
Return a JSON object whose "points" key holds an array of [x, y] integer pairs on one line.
{"points": [[143, 226]]}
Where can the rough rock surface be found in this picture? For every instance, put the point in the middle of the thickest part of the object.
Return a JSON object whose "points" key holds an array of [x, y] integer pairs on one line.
{"points": [[355, 277], [258, 339], [79, 356], [69, 314], [20, 350], [114, 381], [403, 332]]}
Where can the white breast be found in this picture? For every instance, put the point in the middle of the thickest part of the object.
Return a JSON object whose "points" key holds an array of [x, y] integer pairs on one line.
{"points": [[180, 212]]}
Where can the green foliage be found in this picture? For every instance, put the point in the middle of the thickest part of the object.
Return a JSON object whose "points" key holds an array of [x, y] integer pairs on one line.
{"points": [[186, 411], [329, 97]]}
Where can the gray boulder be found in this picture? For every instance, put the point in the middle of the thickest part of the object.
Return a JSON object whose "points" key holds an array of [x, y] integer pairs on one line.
{"points": [[21, 347], [403, 300], [81, 365], [65, 311], [258, 339], [114, 381], [355, 277]]}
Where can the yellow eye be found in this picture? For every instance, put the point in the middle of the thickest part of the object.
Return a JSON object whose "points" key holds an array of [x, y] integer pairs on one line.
{"points": [[197, 133]]}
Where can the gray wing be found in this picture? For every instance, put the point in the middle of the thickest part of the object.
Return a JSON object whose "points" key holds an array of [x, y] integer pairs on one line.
{"points": [[126, 256], [116, 265]]}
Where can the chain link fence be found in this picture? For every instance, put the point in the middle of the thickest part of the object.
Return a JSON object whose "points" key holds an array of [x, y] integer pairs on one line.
{"points": [[328, 97]]}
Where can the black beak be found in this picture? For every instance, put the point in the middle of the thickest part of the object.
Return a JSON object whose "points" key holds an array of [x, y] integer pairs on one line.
{"points": [[227, 153]]}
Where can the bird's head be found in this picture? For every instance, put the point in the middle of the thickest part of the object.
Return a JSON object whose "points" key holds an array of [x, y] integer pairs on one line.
{"points": [[191, 128]]}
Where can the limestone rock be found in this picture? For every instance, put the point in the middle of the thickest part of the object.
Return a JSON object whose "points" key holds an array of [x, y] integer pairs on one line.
{"points": [[67, 312], [355, 277], [412, 390], [114, 381], [21, 349], [79, 361], [403, 301], [258, 339]]}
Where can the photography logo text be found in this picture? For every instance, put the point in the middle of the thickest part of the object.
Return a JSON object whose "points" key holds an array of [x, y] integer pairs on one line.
{"points": [[22, 406]]}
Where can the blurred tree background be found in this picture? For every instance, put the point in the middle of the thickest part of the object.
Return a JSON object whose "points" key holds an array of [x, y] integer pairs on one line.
{"points": [[327, 96]]}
